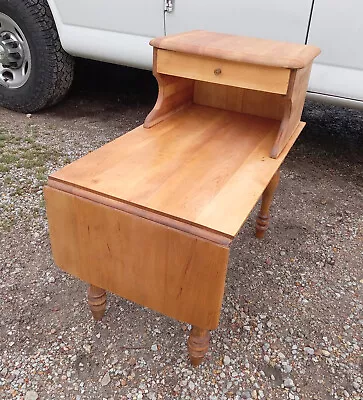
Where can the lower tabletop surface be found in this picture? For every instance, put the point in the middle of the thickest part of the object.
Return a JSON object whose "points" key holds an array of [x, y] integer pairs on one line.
{"points": [[203, 166]]}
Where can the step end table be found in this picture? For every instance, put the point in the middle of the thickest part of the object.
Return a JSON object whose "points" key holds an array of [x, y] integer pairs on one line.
{"points": [[150, 216]]}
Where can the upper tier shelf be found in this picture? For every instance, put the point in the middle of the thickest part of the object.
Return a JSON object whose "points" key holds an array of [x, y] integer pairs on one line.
{"points": [[203, 166], [240, 49], [260, 77]]}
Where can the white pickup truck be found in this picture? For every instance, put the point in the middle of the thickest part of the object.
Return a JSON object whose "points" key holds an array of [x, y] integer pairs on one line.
{"points": [[38, 39]]}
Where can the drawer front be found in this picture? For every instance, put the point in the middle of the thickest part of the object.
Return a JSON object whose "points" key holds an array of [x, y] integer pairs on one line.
{"points": [[224, 72]]}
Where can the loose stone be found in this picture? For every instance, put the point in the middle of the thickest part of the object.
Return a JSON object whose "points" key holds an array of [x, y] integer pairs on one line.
{"points": [[31, 395], [226, 360], [289, 383], [106, 379], [309, 351]]}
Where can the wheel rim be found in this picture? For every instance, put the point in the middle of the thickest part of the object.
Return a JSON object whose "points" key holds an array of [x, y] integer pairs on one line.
{"points": [[15, 59]]}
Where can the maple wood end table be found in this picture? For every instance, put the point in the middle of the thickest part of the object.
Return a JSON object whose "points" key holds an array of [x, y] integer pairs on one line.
{"points": [[150, 216]]}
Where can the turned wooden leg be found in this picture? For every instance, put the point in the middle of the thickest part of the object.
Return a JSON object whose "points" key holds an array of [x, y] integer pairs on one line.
{"points": [[96, 301], [198, 344], [264, 214]]}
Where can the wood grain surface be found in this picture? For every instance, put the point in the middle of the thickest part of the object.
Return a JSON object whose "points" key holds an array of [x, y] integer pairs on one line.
{"points": [[169, 271], [263, 217], [223, 72], [239, 48], [203, 166], [174, 94], [294, 104], [182, 226], [262, 104]]}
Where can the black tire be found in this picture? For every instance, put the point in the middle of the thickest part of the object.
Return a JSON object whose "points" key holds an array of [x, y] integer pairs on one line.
{"points": [[52, 68]]}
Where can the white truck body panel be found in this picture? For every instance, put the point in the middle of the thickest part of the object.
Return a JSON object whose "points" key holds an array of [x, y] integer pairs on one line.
{"points": [[141, 18], [336, 27], [335, 81], [115, 31], [112, 47], [119, 31], [285, 20]]}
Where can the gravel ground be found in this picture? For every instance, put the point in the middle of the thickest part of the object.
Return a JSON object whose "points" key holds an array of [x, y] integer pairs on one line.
{"points": [[292, 319]]}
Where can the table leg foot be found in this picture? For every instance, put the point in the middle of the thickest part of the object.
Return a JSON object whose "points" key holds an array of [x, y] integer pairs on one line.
{"points": [[263, 217], [262, 222], [198, 344], [96, 301]]}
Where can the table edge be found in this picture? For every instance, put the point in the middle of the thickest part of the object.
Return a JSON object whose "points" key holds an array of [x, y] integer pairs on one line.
{"points": [[155, 216]]}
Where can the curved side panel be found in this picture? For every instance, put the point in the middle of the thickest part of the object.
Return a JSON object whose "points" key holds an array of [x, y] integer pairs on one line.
{"points": [[294, 103], [175, 93]]}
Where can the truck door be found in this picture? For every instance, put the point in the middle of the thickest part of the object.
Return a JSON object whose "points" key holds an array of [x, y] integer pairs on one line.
{"points": [[336, 27], [116, 31], [285, 20]]}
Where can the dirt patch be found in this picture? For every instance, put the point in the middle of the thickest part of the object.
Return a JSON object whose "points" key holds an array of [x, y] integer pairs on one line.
{"points": [[291, 324]]}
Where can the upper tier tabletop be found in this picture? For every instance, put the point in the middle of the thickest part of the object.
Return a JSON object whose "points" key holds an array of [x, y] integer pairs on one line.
{"points": [[204, 166], [240, 49]]}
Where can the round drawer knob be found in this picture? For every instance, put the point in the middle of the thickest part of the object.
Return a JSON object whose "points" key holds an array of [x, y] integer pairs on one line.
{"points": [[217, 71]]}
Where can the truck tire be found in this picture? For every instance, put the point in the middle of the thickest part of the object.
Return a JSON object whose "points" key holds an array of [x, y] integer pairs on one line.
{"points": [[35, 71]]}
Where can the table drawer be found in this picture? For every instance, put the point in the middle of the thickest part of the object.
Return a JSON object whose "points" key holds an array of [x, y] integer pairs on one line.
{"points": [[224, 72]]}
